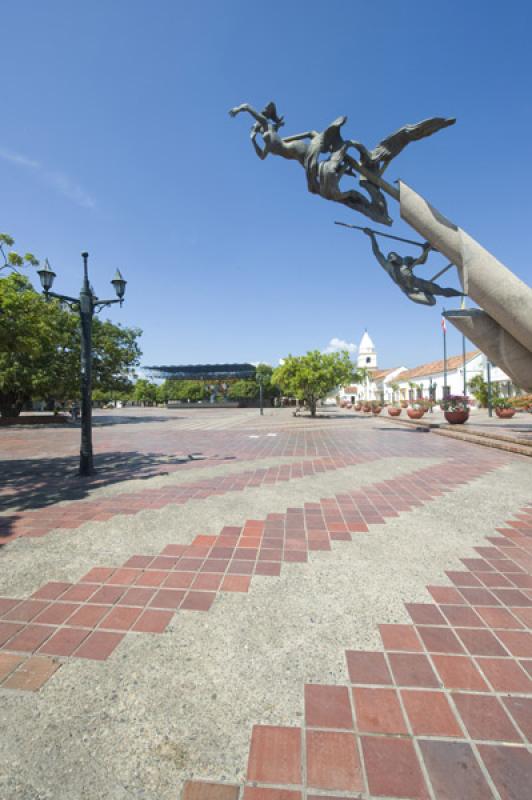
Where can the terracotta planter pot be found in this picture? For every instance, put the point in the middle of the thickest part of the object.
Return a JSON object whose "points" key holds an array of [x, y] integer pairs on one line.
{"points": [[377, 410], [366, 409], [394, 412], [415, 413], [358, 407], [505, 413], [456, 417]]}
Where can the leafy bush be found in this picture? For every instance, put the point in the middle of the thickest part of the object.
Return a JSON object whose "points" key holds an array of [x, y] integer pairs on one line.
{"points": [[455, 402]]}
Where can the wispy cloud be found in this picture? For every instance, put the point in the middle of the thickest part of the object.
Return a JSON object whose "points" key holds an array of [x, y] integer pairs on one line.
{"points": [[335, 345], [54, 178]]}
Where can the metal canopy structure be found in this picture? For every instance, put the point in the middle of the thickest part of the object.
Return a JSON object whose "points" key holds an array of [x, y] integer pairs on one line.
{"points": [[202, 372]]}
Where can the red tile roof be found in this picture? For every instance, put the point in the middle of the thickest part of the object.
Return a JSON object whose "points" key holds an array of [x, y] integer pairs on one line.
{"points": [[435, 367], [382, 373]]}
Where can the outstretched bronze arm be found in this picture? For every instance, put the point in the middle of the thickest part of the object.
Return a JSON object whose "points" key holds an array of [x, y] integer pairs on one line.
{"points": [[260, 151], [261, 119], [424, 254], [298, 136], [379, 255]]}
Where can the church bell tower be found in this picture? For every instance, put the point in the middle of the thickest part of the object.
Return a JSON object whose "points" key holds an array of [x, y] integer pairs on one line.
{"points": [[367, 355]]}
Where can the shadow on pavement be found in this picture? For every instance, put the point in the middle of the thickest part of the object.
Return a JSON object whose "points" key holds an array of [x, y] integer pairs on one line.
{"points": [[40, 483], [123, 419]]}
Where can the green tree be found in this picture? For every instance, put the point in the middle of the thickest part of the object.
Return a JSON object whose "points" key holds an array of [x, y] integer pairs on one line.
{"points": [[40, 349], [243, 390], [361, 374], [314, 375], [115, 354], [479, 389], [144, 392], [265, 372], [249, 388], [181, 391], [162, 393], [30, 332], [12, 260], [190, 391]]}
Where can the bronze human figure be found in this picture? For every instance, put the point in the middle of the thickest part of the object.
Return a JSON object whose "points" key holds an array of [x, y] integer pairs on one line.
{"points": [[325, 174], [330, 173], [306, 148], [401, 271]]}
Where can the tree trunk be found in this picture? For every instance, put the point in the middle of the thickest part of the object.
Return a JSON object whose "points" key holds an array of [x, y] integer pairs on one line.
{"points": [[312, 407]]}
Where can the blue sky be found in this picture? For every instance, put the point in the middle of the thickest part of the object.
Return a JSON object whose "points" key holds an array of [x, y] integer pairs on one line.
{"points": [[115, 138]]}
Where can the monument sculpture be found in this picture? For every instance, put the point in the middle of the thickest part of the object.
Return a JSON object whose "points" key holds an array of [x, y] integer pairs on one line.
{"points": [[323, 176], [401, 271], [502, 326]]}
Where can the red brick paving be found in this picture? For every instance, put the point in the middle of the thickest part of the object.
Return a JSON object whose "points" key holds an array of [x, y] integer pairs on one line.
{"points": [[200, 790], [332, 761], [414, 720], [443, 712], [32, 674], [39, 522], [275, 755], [141, 596]]}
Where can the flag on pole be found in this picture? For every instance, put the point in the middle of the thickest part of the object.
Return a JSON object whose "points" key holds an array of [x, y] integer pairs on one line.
{"points": [[443, 325]]}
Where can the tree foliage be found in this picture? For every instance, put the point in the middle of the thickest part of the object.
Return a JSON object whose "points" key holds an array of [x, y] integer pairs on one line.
{"points": [[144, 392], [12, 260], [311, 377], [479, 389], [40, 349], [30, 330], [243, 390], [182, 391], [249, 388]]}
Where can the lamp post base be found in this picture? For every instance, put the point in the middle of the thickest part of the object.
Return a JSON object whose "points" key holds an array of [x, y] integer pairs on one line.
{"points": [[85, 464]]}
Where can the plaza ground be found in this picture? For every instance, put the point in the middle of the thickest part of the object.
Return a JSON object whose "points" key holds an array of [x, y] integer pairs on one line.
{"points": [[263, 608]]}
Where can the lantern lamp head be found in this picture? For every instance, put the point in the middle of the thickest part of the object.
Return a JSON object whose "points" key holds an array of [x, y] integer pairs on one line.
{"points": [[120, 285], [46, 276]]}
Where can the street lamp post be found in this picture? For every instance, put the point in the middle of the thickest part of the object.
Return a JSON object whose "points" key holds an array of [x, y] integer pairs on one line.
{"points": [[87, 305], [260, 379]]}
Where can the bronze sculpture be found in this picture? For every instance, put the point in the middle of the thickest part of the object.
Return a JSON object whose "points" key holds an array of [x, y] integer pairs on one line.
{"points": [[503, 329], [324, 175], [401, 271]]}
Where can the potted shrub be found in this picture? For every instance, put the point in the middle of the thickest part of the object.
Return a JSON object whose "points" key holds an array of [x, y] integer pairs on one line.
{"points": [[455, 409], [376, 407], [394, 410], [358, 406], [404, 404], [415, 411], [503, 408]]}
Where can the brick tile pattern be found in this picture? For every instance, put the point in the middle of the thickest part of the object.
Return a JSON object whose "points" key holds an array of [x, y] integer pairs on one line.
{"points": [[90, 618], [443, 711], [74, 514]]}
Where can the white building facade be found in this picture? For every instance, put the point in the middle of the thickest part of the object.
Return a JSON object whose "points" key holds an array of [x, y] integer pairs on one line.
{"points": [[425, 381]]}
